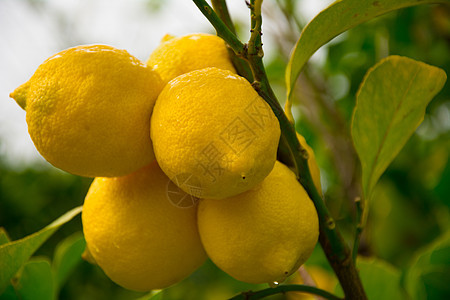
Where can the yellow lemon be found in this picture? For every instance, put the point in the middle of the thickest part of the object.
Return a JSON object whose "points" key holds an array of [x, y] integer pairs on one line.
{"points": [[88, 110], [312, 164], [320, 278], [178, 55], [213, 134], [140, 239], [264, 234]]}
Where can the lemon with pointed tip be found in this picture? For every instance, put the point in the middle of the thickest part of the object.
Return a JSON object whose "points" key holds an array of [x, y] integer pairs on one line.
{"points": [[211, 128], [264, 234], [140, 239], [88, 110], [179, 55]]}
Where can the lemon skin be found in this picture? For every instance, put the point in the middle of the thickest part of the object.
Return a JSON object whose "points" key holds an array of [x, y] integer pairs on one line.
{"points": [[264, 234], [140, 239], [179, 55], [212, 125], [88, 110]]}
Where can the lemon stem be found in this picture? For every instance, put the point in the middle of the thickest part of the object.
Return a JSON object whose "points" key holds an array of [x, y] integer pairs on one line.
{"points": [[336, 250]]}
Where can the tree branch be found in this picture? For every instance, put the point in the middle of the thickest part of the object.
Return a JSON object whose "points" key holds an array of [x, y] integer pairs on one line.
{"points": [[335, 248]]}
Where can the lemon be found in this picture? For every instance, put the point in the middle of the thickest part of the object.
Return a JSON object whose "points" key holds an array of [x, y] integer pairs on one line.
{"points": [[178, 55], [312, 164], [264, 234], [88, 110], [318, 277], [210, 128], [136, 235]]}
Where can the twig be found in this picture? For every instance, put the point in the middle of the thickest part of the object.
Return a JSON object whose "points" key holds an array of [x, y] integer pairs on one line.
{"points": [[287, 8], [361, 220], [255, 42], [283, 289], [241, 65], [221, 9], [222, 30]]}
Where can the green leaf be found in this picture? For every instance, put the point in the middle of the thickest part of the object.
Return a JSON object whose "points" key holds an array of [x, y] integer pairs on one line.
{"points": [[427, 278], [14, 254], [332, 21], [4, 238], [67, 257], [380, 279], [9, 294], [35, 281], [390, 105]]}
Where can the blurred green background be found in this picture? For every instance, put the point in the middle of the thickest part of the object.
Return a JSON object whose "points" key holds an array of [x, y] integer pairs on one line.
{"points": [[410, 207]]}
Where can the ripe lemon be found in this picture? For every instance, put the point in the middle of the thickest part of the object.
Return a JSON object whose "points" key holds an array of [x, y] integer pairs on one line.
{"points": [[136, 235], [178, 55], [88, 110], [214, 132], [312, 164], [264, 234], [318, 277]]}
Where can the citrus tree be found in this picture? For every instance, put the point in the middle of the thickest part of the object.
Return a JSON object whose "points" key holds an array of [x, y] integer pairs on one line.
{"points": [[195, 158]]}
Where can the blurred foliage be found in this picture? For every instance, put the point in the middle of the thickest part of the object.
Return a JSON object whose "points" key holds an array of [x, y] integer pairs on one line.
{"points": [[411, 202], [375, 274], [32, 198], [425, 278]]}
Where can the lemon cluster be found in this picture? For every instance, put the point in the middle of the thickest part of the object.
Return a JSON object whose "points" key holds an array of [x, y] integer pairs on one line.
{"points": [[183, 151]]}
